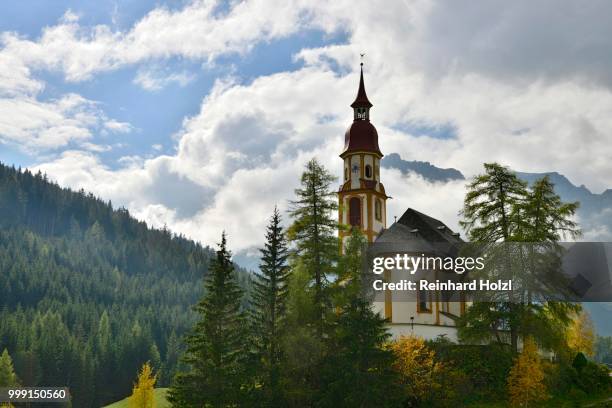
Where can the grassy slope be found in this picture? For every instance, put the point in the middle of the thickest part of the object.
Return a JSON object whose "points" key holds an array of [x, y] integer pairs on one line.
{"points": [[160, 400]]}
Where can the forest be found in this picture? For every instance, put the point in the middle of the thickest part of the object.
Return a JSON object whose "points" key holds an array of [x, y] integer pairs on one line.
{"points": [[92, 299], [87, 292]]}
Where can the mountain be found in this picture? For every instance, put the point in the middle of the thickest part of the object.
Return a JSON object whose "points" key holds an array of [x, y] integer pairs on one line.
{"points": [[425, 169], [87, 292], [594, 213]]}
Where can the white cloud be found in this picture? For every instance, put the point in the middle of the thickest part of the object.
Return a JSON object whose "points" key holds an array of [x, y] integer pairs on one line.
{"points": [[512, 95], [33, 124], [154, 80], [118, 127], [197, 31]]}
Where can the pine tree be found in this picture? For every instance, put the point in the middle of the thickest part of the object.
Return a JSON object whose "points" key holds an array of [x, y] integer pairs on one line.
{"points": [[8, 378], [314, 232], [215, 349], [269, 297], [143, 392], [526, 380]]}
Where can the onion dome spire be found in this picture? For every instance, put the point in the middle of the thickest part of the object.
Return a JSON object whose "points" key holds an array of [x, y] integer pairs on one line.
{"points": [[361, 136], [361, 101]]}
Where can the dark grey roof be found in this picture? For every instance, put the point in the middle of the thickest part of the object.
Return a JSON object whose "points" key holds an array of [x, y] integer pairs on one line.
{"points": [[419, 232]]}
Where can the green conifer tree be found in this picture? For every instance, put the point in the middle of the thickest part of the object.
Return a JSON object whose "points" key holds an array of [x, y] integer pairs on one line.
{"points": [[269, 298], [215, 351], [314, 233], [499, 207], [357, 370], [8, 378]]}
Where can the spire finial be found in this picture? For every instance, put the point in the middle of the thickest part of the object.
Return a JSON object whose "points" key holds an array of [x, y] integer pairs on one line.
{"points": [[362, 98]]}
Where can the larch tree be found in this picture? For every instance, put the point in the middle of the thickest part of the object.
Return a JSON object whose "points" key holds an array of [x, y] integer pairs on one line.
{"points": [[269, 307], [526, 379], [543, 217], [8, 378], [417, 368], [488, 211], [581, 334], [314, 233], [215, 352], [490, 202], [143, 392], [542, 220], [350, 280], [499, 207]]}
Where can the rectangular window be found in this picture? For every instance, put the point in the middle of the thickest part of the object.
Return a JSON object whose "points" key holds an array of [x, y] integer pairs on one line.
{"points": [[378, 209], [423, 301]]}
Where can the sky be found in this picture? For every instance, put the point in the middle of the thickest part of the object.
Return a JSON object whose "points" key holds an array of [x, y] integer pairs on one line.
{"points": [[200, 115]]}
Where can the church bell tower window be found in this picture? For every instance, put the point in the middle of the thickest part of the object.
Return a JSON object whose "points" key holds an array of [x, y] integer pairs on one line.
{"points": [[355, 212], [361, 113], [368, 171]]}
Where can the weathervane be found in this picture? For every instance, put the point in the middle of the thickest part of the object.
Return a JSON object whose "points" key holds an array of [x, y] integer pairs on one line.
{"points": [[362, 55]]}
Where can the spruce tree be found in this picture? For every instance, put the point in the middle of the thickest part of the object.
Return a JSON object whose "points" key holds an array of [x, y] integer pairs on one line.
{"points": [[357, 370], [215, 351], [314, 232], [269, 297]]}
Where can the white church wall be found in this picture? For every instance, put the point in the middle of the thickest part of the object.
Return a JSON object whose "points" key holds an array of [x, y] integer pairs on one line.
{"points": [[424, 331]]}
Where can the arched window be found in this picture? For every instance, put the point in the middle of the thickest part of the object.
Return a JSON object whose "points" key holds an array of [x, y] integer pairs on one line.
{"points": [[368, 171], [346, 173], [355, 212], [378, 209]]}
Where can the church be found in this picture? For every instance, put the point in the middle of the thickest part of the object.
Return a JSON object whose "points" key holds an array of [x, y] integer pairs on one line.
{"points": [[363, 204]]}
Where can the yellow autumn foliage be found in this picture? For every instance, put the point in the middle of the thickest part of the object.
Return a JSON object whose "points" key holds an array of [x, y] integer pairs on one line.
{"points": [[526, 380], [581, 334], [415, 363], [142, 393]]}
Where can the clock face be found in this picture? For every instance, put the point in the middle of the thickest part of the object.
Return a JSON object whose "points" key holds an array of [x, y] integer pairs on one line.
{"points": [[355, 168]]}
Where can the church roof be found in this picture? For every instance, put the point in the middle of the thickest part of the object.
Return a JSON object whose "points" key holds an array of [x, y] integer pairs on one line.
{"points": [[419, 232], [361, 136], [361, 101]]}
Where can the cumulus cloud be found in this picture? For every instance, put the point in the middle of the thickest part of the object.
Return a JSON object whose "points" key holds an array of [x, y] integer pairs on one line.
{"points": [[35, 125], [514, 86], [197, 31]]}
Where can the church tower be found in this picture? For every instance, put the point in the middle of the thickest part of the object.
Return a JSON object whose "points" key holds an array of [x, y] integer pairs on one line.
{"points": [[362, 198]]}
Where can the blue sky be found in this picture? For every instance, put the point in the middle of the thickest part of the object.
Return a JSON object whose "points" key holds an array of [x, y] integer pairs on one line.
{"points": [[154, 115], [200, 114]]}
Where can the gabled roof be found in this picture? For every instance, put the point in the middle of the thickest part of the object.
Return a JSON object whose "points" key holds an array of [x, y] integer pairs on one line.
{"points": [[418, 232], [429, 228]]}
